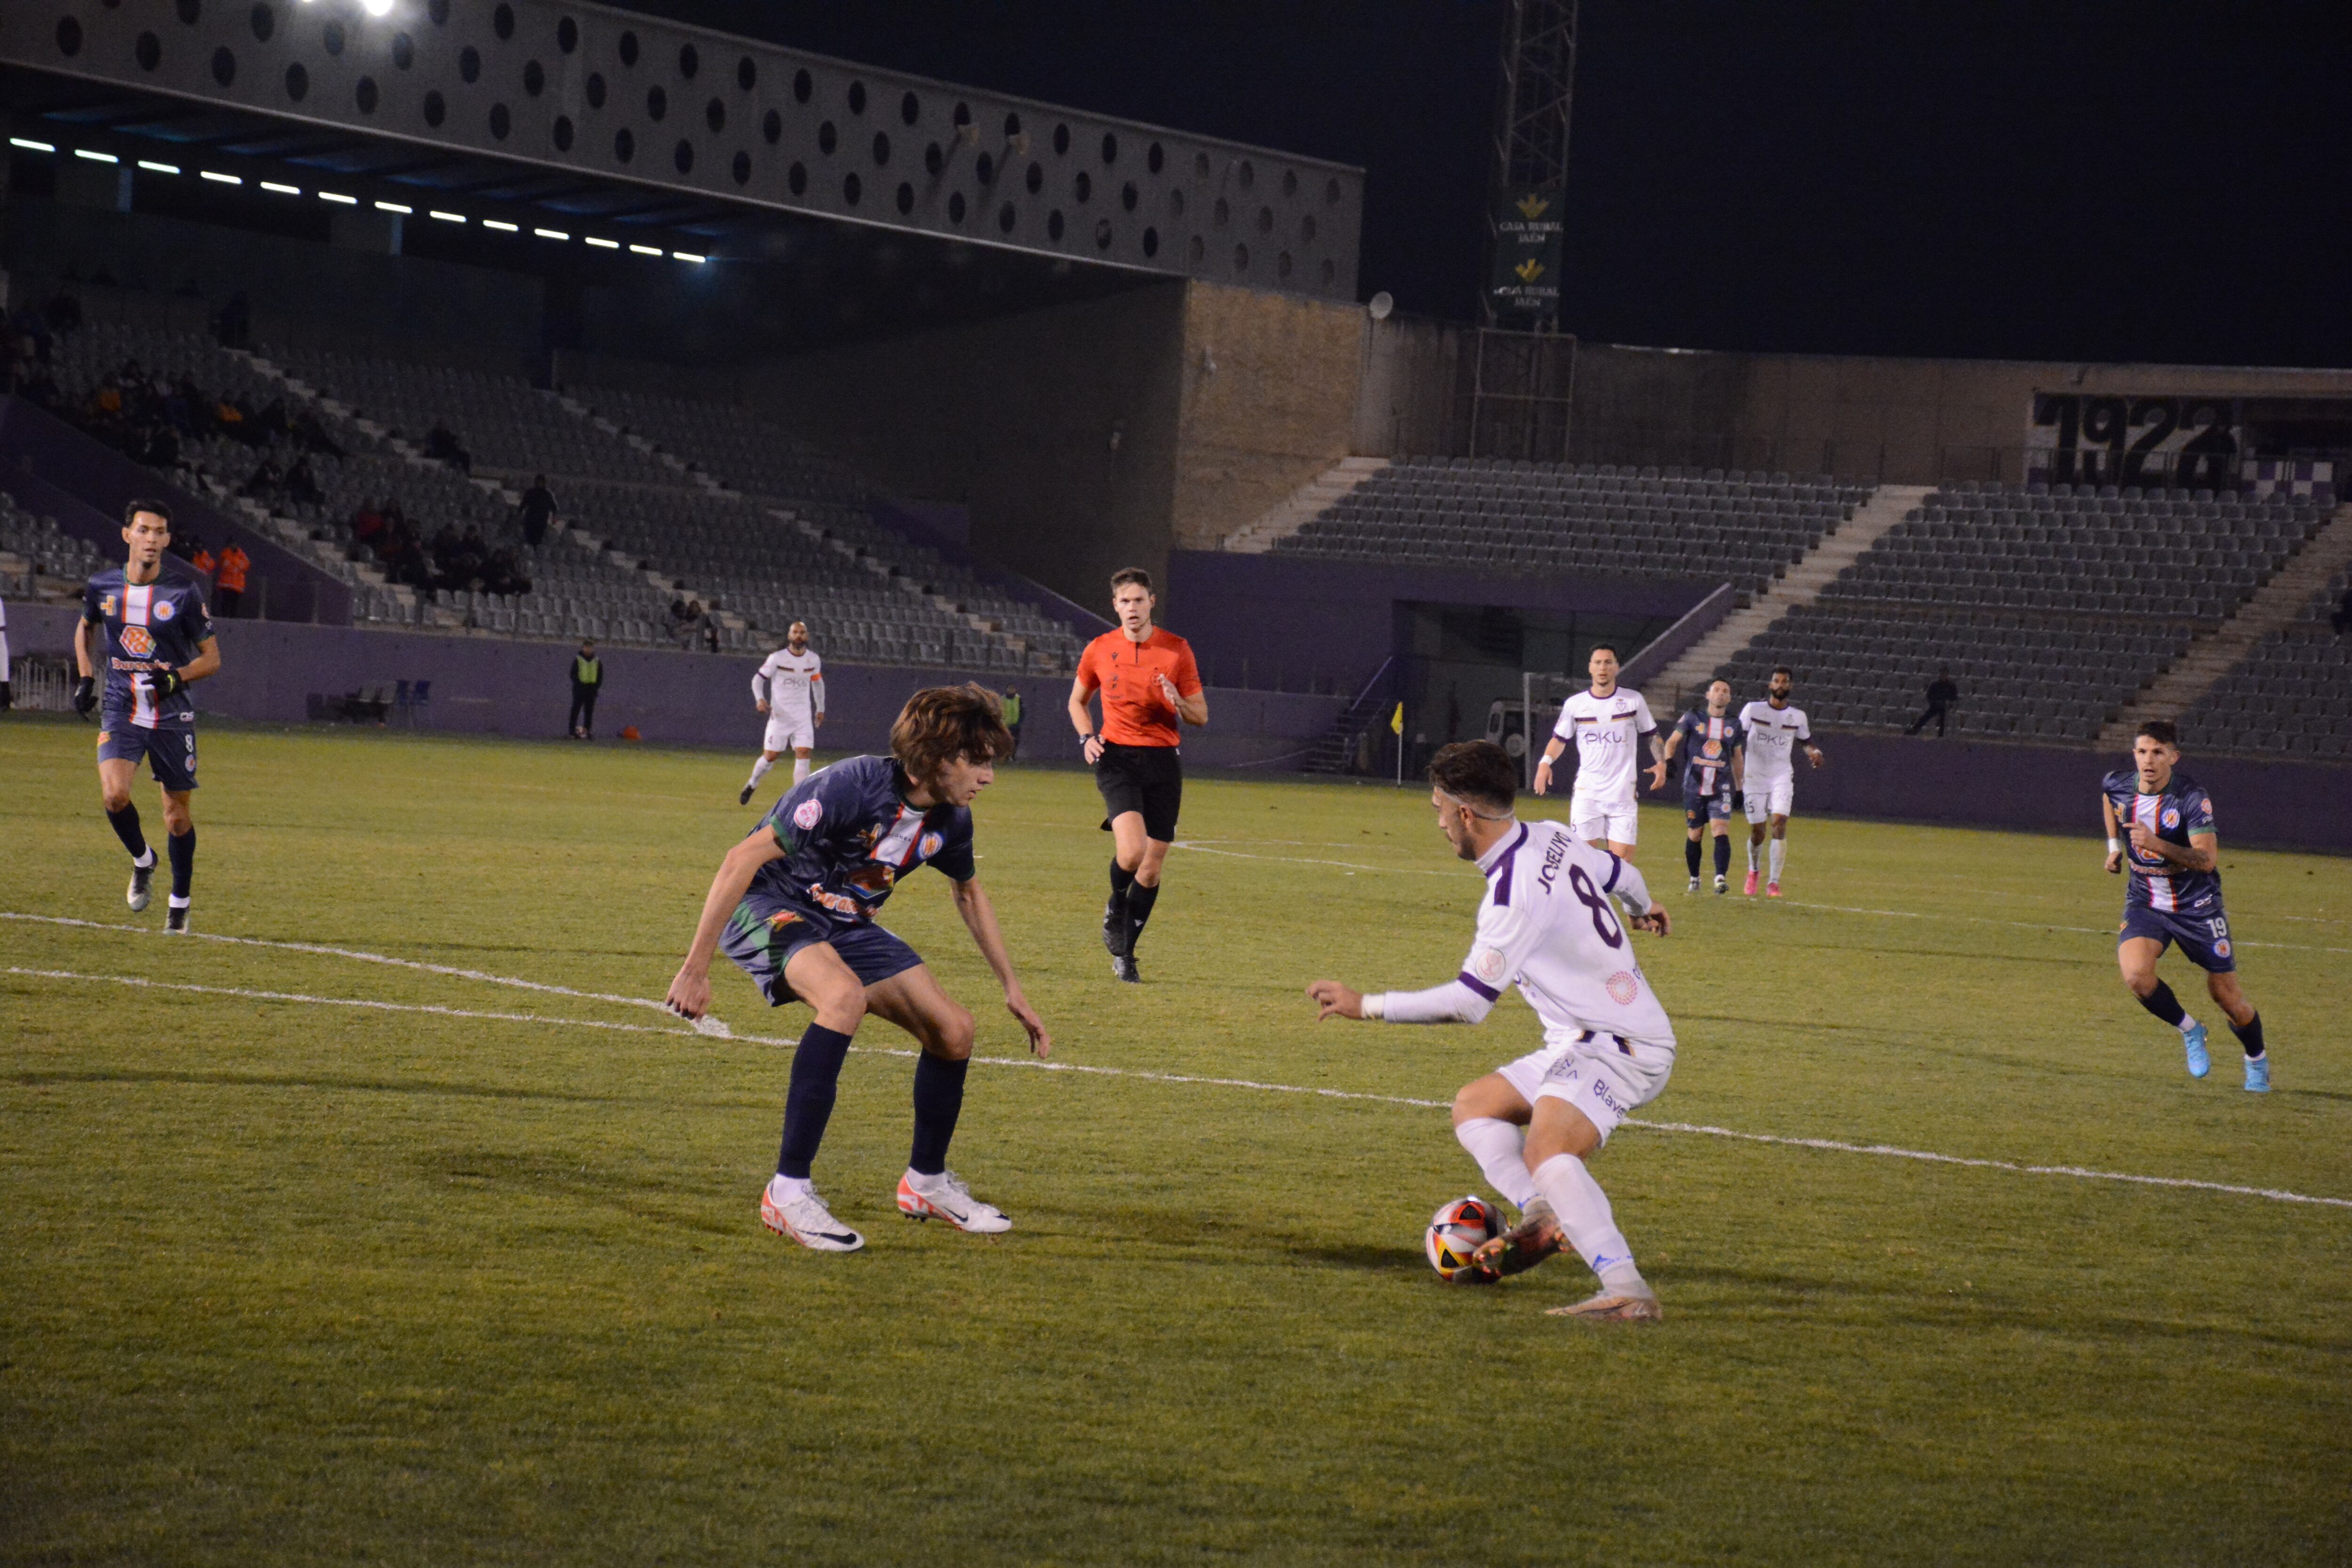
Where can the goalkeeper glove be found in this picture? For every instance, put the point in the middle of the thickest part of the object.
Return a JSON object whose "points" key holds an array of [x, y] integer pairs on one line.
{"points": [[84, 695], [167, 684], [1738, 800]]}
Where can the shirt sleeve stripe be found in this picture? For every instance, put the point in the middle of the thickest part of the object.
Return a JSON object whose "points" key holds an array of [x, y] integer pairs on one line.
{"points": [[1472, 980]]}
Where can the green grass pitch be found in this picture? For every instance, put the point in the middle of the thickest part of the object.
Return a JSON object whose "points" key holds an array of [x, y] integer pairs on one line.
{"points": [[283, 1281]]}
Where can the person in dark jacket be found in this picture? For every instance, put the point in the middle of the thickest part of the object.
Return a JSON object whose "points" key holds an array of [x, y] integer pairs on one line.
{"points": [[1941, 695]]}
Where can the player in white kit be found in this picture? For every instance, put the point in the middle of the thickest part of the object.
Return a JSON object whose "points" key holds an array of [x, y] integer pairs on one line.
{"points": [[1605, 725], [1546, 925], [789, 689], [1774, 732]]}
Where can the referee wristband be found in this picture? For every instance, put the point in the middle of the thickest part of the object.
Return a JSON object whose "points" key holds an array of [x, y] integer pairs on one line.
{"points": [[2114, 845], [1376, 1006]]}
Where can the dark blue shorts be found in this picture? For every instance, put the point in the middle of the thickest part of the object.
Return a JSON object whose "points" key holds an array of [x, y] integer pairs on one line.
{"points": [[761, 937], [2204, 939], [1714, 805], [170, 750]]}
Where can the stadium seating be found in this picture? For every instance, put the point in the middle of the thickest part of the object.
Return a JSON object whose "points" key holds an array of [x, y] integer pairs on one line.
{"points": [[1503, 515], [2291, 697], [32, 547], [2051, 607]]}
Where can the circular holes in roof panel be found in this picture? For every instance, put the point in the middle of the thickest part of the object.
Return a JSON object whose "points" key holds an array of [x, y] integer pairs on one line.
{"points": [[747, 74], [624, 144], [297, 82], [595, 89], [567, 35], [714, 114], [470, 63], [911, 109], [502, 22], [689, 61], [628, 48], [224, 66]]}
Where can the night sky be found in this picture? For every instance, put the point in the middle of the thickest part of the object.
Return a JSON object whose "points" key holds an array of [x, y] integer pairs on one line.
{"points": [[2105, 181]]}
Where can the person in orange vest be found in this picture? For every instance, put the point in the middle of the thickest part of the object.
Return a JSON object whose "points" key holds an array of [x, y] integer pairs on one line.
{"points": [[202, 560], [228, 580]]}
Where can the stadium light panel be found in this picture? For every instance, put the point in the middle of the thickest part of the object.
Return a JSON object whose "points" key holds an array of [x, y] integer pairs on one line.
{"points": [[551, 234], [220, 179], [392, 207], [604, 244], [159, 168], [376, 7], [31, 147], [339, 198], [501, 227], [96, 157], [446, 217], [274, 188], [690, 256], [645, 250]]}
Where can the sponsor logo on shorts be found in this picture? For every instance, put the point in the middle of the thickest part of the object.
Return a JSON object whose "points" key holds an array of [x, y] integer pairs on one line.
{"points": [[1624, 986], [930, 845], [2222, 948], [1488, 965], [104, 736], [808, 814], [136, 642], [1601, 1092]]}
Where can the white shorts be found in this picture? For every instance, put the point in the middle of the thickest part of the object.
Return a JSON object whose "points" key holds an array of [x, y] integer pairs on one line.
{"points": [[1606, 1078], [785, 734], [1769, 800], [1611, 821]]}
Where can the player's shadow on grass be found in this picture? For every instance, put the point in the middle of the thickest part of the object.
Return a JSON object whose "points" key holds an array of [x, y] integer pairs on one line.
{"points": [[1362, 1257], [309, 1082], [653, 1200]]}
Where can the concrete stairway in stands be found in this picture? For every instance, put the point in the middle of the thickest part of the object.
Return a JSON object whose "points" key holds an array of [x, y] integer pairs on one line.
{"points": [[1800, 584], [1305, 504], [2214, 654]]}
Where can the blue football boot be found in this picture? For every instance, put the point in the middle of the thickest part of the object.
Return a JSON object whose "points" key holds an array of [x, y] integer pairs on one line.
{"points": [[2258, 1074], [2200, 1063]]}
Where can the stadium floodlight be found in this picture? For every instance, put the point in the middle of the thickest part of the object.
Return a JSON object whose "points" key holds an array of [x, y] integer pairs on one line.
{"points": [[645, 250], [1380, 305], [392, 207], [501, 227], [446, 218], [31, 147], [690, 256], [551, 234], [220, 179], [159, 168], [604, 244], [376, 7], [96, 157], [275, 189], [339, 198]]}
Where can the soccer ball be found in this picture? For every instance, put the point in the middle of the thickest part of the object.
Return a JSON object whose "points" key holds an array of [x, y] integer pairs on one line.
{"points": [[1456, 1231]]}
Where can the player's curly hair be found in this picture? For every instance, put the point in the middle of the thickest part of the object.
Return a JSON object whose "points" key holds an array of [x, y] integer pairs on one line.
{"points": [[940, 723], [1478, 772]]}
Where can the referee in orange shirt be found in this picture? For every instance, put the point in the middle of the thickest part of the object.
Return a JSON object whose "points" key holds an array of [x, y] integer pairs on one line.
{"points": [[1148, 683]]}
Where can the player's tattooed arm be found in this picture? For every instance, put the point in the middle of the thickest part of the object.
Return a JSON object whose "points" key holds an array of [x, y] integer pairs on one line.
{"points": [[689, 992], [1662, 748], [2201, 853], [2115, 844], [979, 919]]}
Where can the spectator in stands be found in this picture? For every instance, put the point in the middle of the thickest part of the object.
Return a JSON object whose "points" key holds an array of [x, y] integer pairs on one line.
{"points": [[201, 559], [311, 435], [1941, 694], [2342, 619], [228, 581], [441, 444], [536, 510], [367, 523], [587, 680], [234, 326], [265, 483], [502, 573], [302, 485]]}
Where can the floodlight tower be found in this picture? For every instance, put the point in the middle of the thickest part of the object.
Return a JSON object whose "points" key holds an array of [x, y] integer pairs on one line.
{"points": [[1531, 120]]}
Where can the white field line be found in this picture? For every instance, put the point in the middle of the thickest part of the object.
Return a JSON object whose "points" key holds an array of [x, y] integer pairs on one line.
{"points": [[1209, 846], [1831, 1145]]}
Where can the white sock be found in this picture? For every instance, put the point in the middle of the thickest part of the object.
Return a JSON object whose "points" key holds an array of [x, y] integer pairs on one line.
{"points": [[800, 769], [146, 862], [175, 902], [759, 771], [1500, 1150], [1751, 856], [1584, 1212], [783, 1188], [1780, 856], [2186, 1023]]}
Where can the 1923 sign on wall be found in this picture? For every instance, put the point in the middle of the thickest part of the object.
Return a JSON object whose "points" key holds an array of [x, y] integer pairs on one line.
{"points": [[2086, 439]]}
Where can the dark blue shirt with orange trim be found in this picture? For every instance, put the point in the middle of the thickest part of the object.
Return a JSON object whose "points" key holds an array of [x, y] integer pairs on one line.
{"points": [[848, 835]]}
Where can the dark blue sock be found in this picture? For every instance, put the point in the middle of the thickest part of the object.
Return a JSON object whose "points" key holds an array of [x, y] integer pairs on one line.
{"points": [[182, 847], [1690, 854], [939, 1101], [2165, 1005], [1722, 855], [125, 824], [2250, 1037], [808, 1104]]}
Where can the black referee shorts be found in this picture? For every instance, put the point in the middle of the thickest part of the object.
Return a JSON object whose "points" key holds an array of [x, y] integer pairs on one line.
{"points": [[1149, 779]]}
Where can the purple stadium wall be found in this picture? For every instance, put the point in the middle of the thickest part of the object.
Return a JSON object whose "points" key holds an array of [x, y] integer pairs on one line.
{"points": [[503, 686]]}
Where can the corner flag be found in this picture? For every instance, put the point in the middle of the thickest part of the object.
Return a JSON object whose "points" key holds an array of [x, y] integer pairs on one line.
{"points": [[1396, 721]]}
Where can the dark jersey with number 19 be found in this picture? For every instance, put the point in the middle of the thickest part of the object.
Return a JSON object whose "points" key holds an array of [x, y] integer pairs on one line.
{"points": [[148, 628], [1708, 741]]}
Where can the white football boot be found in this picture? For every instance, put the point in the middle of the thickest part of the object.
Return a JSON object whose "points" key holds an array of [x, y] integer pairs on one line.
{"points": [[944, 1197], [807, 1221], [1633, 1305]]}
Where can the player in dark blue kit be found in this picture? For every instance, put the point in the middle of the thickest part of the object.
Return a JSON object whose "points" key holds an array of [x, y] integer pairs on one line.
{"points": [[155, 639], [2160, 828], [793, 906], [1714, 750]]}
